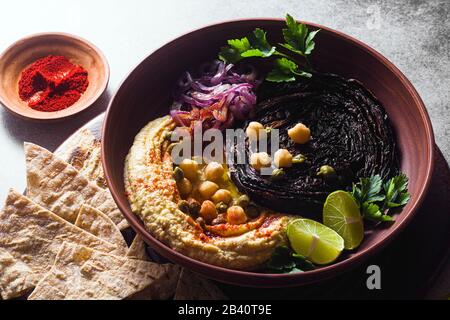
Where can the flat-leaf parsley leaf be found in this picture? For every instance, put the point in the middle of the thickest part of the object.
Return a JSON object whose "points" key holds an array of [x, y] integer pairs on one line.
{"points": [[285, 70], [299, 40], [374, 197], [298, 37]]}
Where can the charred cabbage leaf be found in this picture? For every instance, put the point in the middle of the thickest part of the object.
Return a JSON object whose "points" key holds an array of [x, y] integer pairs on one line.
{"points": [[350, 132]]}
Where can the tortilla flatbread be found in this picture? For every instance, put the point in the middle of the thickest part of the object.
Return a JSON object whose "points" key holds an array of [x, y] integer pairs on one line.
{"points": [[83, 152], [162, 289], [80, 273], [59, 187], [33, 236], [193, 287], [137, 249], [14, 275], [100, 225], [165, 287]]}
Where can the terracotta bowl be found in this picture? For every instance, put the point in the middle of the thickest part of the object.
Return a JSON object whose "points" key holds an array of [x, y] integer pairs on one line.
{"points": [[24, 52], [146, 94]]}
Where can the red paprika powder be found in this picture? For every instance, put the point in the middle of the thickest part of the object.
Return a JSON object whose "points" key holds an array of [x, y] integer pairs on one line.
{"points": [[52, 83]]}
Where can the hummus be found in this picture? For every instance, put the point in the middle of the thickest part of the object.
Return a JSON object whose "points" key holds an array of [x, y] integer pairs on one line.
{"points": [[153, 196]]}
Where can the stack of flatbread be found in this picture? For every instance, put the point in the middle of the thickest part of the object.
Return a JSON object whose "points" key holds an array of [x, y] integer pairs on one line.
{"points": [[64, 240]]}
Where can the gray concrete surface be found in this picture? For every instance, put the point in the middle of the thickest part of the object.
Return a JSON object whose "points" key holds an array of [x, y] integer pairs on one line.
{"points": [[414, 35]]}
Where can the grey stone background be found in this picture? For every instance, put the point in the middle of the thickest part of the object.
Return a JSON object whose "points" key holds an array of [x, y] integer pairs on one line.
{"points": [[414, 35]]}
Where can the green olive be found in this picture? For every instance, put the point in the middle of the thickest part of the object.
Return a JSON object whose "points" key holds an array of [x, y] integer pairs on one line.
{"points": [[178, 174], [278, 174], [183, 205], [168, 136], [252, 211], [326, 171], [243, 201], [298, 159], [221, 207]]}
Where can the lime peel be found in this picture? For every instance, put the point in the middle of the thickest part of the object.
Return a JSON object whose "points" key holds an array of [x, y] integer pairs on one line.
{"points": [[313, 245], [342, 214], [315, 241]]}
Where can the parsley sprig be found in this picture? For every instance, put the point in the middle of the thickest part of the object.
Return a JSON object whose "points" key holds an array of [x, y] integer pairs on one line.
{"points": [[375, 198], [299, 42]]}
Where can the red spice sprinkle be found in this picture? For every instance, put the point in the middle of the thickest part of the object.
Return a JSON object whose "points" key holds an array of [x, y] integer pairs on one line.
{"points": [[52, 83]]}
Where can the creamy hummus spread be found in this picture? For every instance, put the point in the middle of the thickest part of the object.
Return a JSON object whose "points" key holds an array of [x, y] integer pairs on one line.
{"points": [[153, 196]]}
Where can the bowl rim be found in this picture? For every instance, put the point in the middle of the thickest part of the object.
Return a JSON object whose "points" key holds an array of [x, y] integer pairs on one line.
{"points": [[270, 280], [56, 115]]}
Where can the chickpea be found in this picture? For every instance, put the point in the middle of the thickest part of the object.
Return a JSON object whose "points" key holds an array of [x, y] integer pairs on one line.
{"points": [[207, 189], [260, 160], [253, 129], [184, 187], [208, 211], [283, 158], [214, 171], [189, 168], [300, 133], [236, 215], [222, 195]]}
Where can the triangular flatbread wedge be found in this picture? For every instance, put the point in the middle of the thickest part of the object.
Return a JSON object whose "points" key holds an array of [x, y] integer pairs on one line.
{"points": [[33, 236], [59, 187], [137, 249], [165, 287], [80, 273], [15, 276], [193, 287], [100, 225], [83, 151]]}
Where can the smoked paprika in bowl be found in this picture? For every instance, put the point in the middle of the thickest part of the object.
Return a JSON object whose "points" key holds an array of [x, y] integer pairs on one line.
{"points": [[72, 76]]}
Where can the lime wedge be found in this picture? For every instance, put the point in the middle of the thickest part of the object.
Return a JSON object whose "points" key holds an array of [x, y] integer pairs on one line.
{"points": [[313, 240], [341, 213]]}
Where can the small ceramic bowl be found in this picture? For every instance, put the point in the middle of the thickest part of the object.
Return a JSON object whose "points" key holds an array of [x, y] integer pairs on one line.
{"points": [[27, 50]]}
